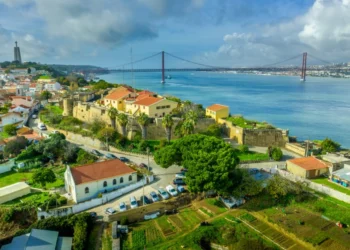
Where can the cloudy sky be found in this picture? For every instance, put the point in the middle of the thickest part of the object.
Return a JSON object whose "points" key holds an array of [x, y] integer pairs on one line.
{"points": [[215, 32]]}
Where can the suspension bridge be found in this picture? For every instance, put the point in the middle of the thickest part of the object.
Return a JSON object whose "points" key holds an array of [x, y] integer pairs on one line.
{"points": [[197, 66]]}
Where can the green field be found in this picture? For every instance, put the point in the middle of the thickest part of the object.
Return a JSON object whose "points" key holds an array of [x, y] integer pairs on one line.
{"points": [[242, 122], [252, 156], [58, 183], [54, 109], [324, 181], [45, 77], [37, 198], [12, 177]]}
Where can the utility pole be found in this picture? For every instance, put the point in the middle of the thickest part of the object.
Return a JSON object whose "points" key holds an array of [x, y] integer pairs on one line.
{"points": [[148, 158], [107, 146]]}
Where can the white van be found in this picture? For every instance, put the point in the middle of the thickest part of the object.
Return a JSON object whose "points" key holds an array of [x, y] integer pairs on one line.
{"points": [[42, 126]]}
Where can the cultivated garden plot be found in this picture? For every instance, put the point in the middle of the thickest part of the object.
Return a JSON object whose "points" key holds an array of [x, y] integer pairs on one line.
{"points": [[166, 227]]}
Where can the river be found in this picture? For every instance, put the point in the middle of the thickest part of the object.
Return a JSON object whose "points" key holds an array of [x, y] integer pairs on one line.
{"points": [[315, 109]]}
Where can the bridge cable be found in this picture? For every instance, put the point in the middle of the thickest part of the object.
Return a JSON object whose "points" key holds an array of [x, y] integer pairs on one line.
{"points": [[272, 64], [314, 57], [200, 64], [140, 60]]}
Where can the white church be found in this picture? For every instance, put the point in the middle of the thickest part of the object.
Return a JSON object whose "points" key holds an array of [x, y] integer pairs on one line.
{"points": [[87, 181]]}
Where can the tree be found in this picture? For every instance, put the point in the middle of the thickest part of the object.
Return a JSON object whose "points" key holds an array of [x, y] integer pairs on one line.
{"points": [[113, 113], [277, 186], [85, 157], [276, 154], [53, 147], [44, 176], [107, 134], [97, 125], [187, 127], [14, 147], [191, 116], [210, 162], [213, 130], [168, 123], [246, 184], [123, 121], [70, 153], [7, 71], [10, 129], [143, 120], [45, 95], [329, 146], [29, 70], [80, 235]]}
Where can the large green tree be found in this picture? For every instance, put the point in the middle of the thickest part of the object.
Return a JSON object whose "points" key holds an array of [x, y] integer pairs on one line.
{"points": [[14, 147], [113, 113], [44, 176], [187, 127], [329, 146], [123, 121], [210, 162], [10, 129], [45, 95], [277, 154], [143, 120], [168, 123]]}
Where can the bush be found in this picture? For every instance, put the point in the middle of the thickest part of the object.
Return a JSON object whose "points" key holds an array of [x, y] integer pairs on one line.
{"points": [[142, 146], [163, 143], [80, 235], [62, 200], [243, 148], [85, 157], [124, 220], [10, 129], [9, 215], [276, 154]]}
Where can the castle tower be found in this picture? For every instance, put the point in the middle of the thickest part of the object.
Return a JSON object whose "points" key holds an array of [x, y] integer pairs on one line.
{"points": [[17, 54], [68, 107]]}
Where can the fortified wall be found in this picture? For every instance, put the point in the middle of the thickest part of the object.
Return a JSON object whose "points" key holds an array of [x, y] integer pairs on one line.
{"points": [[255, 137], [87, 112]]}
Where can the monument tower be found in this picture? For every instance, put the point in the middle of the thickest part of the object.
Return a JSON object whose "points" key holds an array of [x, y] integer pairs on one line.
{"points": [[17, 54]]}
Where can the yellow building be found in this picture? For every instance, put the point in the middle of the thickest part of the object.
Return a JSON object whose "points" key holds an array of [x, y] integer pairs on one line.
{"points": [[217, 111], [151, 106], [307, 167], [117, 96]]}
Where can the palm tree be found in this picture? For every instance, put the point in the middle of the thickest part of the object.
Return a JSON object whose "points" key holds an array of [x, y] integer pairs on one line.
{"points": [[187, 127], [168, 123], [192, 116], [113, 113], [123, 121], [143, 120]]}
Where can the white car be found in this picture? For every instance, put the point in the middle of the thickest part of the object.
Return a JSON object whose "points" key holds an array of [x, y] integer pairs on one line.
{"points": [[180, 175], [110, 211], [171, 190], [163, 194], [42, 126], [133, 202], [122, 206], [34, 116], [54, 132]]}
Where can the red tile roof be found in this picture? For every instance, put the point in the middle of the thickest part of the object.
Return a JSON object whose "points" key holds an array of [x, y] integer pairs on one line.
{"points": [[100, 170], [148, 101], [216, 107], [309, 163], [118, 94], [24, 131]]}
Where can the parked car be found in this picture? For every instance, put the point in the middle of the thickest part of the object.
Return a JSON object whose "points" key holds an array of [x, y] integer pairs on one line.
{"points": [[110, 211], [154, 196], [34, 116], [163, 194], [180, 189], [180, 175], [184, 169], [42, 126], [143, 165], [179, 181], [54, 132], [124, 159], [231, 202], [95, 152], [122, 206], [133, 202], [171, 190], [93, 214], [144, 200], [111, 156]]}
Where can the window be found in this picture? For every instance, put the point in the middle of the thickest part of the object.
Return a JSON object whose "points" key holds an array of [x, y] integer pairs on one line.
{"points": [[121, 180], [86, 190], [105, 184], [167, 106], [130, 177], [143, 107], [120, 102], [158, 108], [114, 181], [113, 101]]}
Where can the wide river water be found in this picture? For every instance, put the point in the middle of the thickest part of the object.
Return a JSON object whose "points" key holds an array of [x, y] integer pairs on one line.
{"points": [[315, 109]]}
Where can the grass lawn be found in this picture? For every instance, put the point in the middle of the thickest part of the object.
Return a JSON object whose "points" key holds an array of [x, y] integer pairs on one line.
{"points": [[32, 197], [252, 156], [54, 109], [45, 77], [245, 123], [58, 183], [12, 177], [324, 181]]}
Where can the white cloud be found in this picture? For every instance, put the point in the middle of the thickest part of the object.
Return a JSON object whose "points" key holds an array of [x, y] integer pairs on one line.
{"points": [[324, 31]]}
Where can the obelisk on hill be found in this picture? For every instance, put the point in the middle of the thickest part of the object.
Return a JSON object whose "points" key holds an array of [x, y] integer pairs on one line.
{"points": [[17, 54]]}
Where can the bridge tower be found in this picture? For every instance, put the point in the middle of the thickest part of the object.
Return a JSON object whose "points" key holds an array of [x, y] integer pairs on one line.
{"points": [[303, 68], [163, 75]]}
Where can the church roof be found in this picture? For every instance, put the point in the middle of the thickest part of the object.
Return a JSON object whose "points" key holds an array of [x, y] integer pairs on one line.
{"points": [[99, 171]]}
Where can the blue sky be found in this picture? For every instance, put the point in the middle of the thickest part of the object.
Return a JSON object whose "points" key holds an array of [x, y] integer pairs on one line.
{"points": [[215, 32]]}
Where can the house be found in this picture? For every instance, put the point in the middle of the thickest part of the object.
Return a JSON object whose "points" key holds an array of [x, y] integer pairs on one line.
{"points": [[87, 181], [53, 86], [14, 191], [342, 176], [336, 160], [12, 118], [151, 106], [24, 131], [307, 167], [217, 111], [117, 96], [39, 239]]}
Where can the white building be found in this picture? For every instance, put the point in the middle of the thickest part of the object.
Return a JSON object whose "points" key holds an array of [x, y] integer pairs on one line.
{"points": [[53, 86], [11, 192], [87, 181], [12, 118]]}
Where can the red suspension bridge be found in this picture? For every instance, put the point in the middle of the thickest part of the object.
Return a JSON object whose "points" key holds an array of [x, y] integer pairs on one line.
{"points": [[275, 67]]}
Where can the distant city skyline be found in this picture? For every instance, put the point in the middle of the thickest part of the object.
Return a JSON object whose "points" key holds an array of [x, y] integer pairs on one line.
{"points": [[218, 32]]}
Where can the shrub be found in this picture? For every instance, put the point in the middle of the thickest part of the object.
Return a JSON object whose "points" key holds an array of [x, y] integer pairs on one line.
{"points": [[85, 157], [10, 129], [142, 146], [243, 148], [124, 220], [80, 235], [9, 215], [276, 154], [163, 143], [62, 200]]}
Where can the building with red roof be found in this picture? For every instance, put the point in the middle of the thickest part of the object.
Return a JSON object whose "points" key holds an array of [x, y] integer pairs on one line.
{"points": [[217, 111], [308, 167], [151, 106], [117, 96], [87, 181]]}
